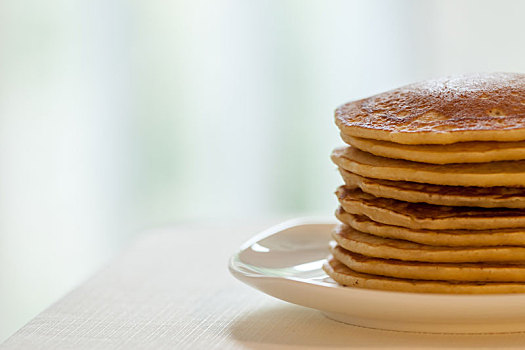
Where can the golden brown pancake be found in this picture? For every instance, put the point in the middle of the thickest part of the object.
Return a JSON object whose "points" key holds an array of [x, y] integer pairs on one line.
{"points": [[474, 107], [427, 216], [487, 197], [506, 173], [471, 272], [451, 238], [347, 277], [460, 152], [387, 248]]}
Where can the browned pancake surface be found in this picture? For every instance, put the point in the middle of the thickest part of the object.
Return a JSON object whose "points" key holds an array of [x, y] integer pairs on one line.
{"points": [[348, 277], [428, 216], [423, 210], [453, 238], [474, 272], [388, 248], [480, 107], [496, 192], [503, 173], [489, 197]]}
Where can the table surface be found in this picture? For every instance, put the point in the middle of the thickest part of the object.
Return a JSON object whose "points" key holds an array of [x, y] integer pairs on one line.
{"points": [[171, 289]]}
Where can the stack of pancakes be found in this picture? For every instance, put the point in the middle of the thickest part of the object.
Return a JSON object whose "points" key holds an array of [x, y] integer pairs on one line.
{"points": [[434, 188]]}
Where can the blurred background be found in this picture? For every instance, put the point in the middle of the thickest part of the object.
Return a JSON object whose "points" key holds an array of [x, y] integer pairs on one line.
{"points": [[117, 116]]}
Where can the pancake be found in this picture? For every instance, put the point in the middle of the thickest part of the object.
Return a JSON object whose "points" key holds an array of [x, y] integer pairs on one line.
{"points": [[461, 152], [466, 272], [474, 107], [427, 216], [505, 173], [387, 248], [347, 277], [487, 197], [452, 238]]}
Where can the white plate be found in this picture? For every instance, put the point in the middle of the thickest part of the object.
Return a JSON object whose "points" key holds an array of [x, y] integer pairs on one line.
{"points": [[285, 262]]}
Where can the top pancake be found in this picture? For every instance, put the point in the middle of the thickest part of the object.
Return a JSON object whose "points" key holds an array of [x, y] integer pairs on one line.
{"points": [[474, 107]]}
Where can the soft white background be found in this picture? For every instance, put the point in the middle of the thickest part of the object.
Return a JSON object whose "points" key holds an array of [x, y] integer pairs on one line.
{"points": [[116, 115]]}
